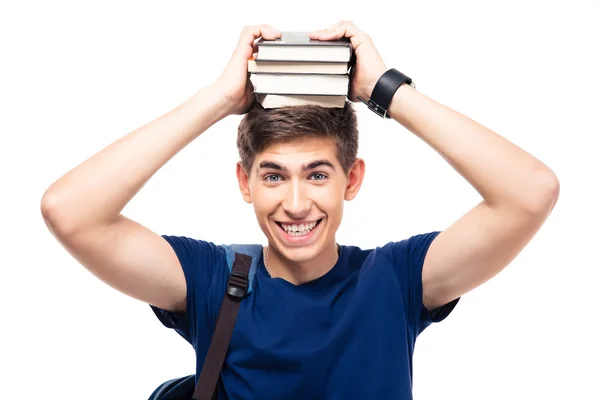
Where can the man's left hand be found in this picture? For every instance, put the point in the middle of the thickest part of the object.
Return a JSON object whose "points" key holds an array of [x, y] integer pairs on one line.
{"points": [[369, 64]]}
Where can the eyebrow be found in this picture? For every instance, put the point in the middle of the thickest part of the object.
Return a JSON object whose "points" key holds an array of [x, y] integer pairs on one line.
{"points": [[312, 165]]}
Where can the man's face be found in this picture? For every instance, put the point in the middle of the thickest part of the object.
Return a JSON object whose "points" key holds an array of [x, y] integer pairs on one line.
{"points": [[298, 191]]}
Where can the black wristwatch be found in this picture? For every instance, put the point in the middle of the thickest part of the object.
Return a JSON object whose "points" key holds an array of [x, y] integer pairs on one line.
{"points": [[384, 90]]}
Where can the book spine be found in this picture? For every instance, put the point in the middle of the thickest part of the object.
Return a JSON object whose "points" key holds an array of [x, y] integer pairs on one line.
{"points": [[295, 73], [324, 44], [299, 61], [302, 94]]}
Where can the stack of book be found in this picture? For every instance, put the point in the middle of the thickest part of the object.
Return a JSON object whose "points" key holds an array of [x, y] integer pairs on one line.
{"points": [[295, 70]]}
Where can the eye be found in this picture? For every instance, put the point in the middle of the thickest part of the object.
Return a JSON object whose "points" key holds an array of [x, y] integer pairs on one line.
{"points": [[272, 178], [318, 176]]}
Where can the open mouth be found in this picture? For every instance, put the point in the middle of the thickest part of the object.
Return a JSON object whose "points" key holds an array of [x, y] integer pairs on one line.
{"points": [[299, 230]]}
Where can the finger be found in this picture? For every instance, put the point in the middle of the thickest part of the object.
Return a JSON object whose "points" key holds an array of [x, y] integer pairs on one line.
{"points": [[348, 30], [250, 28], [322, 31], [320, 34], [247, 43], [250, 33], [314, 34], [335, 31], [273, 29]]}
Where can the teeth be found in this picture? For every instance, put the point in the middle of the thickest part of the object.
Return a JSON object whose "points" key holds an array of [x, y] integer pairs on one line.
{"points": [[299, 230]]}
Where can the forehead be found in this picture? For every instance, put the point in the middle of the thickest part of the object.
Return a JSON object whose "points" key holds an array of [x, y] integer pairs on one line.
{"points": [[299, 151]]}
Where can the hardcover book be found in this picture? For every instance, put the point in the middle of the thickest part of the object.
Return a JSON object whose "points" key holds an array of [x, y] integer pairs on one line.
{"points": [[297, 67], [297, 46], [281, 100], [332, 85]]}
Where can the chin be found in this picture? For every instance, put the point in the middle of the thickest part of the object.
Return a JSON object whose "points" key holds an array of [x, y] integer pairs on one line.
{"points": [[301, 255]]}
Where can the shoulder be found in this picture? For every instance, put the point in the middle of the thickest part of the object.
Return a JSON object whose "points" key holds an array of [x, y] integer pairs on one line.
{"points": [[192, 249], [206, 257], [354, 255], [395, 250], [408, 253], [409, 249], [201, 260]]}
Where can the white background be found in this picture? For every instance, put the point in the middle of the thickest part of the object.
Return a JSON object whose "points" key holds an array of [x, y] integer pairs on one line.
{"points": [[76, 76]]}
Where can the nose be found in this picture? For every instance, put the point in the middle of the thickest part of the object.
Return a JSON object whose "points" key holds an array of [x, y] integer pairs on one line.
{"points": [[296, 203]]}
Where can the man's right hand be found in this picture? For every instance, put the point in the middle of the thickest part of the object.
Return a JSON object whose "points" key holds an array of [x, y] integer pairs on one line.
{"points": [[233, 84]]}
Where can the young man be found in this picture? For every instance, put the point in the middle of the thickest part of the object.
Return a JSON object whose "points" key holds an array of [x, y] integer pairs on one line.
{"points": [[325, 321]]}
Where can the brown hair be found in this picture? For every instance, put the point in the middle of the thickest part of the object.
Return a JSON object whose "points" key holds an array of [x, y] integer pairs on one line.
{"points": [[262, 127]]}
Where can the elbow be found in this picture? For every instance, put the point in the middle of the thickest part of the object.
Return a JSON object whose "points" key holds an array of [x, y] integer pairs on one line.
{"points": [[48, 206], [548, 193], [53, 214]]}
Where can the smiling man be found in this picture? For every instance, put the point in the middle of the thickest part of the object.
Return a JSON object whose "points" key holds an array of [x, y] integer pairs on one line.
{"points": [[298, 166], [325, 320]]}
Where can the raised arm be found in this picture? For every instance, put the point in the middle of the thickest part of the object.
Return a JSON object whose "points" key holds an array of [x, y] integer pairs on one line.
{"points": [[518, 190], [83, 208]]}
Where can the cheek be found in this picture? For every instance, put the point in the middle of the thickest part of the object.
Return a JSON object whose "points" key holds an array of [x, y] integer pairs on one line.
{"points": [[265, 201], [331, 199]]}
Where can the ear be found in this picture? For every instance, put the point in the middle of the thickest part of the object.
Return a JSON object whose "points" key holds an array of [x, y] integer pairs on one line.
{"points": [[243, 182], [355, 179]]}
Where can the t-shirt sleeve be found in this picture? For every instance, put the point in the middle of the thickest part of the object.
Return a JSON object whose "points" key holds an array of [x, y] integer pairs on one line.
{"points": [[409, 256], [198, 260]]}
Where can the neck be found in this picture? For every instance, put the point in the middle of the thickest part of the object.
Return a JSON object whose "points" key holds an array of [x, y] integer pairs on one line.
{"points": [[303, 271]]}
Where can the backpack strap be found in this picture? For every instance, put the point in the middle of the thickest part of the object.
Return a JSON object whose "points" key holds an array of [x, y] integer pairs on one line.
{"points": [[242, 261], [252, 250]]}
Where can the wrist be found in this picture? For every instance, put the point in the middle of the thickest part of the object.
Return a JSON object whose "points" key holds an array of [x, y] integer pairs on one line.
{"points": [[368, 89], [213, 102], [384, 90]]}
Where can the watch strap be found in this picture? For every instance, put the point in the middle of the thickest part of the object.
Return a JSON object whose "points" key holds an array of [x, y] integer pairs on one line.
{"points": [[384, 90]]}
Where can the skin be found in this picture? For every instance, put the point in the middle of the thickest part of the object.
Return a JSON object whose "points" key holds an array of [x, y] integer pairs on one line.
{"points": [[83, 208], [286, 192], [518, 190]]}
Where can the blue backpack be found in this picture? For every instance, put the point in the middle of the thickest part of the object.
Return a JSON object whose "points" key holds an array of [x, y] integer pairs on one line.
{"points": [[242, 261]]}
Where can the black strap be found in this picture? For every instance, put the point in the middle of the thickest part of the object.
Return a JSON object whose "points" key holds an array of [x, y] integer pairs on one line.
{"points": [[237, 287], [384, 90]]}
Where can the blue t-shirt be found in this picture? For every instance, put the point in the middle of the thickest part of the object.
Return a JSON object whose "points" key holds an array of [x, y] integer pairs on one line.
{"points": [[349, 334]]}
